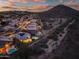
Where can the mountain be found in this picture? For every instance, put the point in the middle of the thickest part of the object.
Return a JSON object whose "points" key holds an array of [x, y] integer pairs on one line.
{"points": [[74, 6], [69, 47], [60, 11]]}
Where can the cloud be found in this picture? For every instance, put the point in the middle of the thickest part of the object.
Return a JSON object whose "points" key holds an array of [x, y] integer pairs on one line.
{"points": [[23, 1], [18, 1], [3, 2], [38, 0]]}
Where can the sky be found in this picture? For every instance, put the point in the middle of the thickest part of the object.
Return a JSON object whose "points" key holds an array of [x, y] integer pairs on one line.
{"points": [[33, 4], [30, 2], [25, 2]]}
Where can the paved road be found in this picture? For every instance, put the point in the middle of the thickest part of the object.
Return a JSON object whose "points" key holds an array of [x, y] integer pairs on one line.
{"points": [[48, 33]]}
